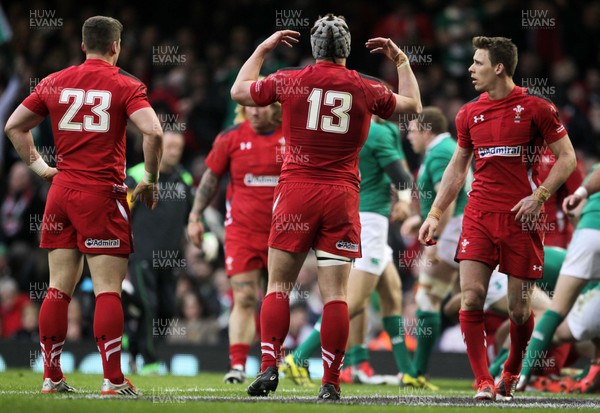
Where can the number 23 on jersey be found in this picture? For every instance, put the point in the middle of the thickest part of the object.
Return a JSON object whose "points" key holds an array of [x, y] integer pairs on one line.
{"points": [[98, 122]]}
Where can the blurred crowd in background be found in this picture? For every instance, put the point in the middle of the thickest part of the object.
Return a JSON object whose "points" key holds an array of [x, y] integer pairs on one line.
{"points": [[188, 54]]}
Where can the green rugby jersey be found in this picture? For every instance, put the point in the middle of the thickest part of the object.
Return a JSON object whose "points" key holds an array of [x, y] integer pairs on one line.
{"points": [[437, 157], [381, 149]]}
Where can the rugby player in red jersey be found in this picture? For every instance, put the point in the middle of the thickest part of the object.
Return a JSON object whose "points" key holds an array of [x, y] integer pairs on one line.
{"points": [[501, 226], [326, 114], [89, 106], [252, 152]]}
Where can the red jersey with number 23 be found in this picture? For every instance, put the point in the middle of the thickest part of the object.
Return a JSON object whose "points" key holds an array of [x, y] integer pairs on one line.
{"points": [[326, 116], [508, 137], [89, 105]]}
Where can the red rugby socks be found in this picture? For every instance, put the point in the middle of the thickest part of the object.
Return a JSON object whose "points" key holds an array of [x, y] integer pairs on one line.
{"points": [[53, 322], [473, 331], [108, 331], [335, 327], [238, 353], [519, 338], [274, 326]]}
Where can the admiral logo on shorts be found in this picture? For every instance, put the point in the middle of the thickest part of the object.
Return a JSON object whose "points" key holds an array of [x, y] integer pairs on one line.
{"points": [[500, 151], [346, 246], [102, 243], [267, 180]]}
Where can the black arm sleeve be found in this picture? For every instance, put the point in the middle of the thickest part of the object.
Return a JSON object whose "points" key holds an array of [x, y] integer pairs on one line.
{"points": [[399, 176]]}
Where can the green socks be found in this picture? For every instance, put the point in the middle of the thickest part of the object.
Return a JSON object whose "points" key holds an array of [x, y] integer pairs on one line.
{"points": [[429, 326], [309, 346], [393, 325], [540, 340], [358, 354], [496, 366]]}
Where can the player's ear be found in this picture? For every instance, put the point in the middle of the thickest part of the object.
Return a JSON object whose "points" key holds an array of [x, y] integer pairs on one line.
{"points": [[114, 47], [499, 68], [83, 48]]}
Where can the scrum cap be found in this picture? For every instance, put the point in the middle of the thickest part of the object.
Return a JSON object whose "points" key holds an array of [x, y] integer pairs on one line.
{"points": [[330, 38]]}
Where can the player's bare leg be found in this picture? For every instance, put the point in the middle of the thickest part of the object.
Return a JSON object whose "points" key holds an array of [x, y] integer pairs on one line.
{"points": [[358, 328], [389, 289], [360, 287], [242, 327], [66, 266], [108, 272], [356, 363], [474, 281], [565, 293], [283, 271]]}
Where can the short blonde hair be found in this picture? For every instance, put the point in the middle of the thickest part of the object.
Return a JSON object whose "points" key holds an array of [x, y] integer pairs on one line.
{"points": [[240, 114]]}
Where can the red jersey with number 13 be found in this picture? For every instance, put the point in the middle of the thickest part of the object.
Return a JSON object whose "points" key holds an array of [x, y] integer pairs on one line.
{"points": [[508, 137], [326, 116], [89, 105]]}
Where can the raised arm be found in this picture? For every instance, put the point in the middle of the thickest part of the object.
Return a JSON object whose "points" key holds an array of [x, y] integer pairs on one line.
{"points": [[18, 129], [147, 122], [240, 91], [408, 98], [452, 181]]}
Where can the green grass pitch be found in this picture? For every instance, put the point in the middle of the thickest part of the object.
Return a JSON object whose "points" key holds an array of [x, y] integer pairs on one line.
{"points": [[19, 392]]}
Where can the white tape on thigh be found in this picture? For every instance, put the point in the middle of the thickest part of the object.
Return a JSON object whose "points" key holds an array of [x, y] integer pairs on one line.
{"points": [[326, 259], [423, 300], [437, 288]]}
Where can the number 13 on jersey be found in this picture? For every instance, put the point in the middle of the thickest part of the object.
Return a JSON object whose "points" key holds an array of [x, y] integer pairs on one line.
{"points": [[341, 102]]}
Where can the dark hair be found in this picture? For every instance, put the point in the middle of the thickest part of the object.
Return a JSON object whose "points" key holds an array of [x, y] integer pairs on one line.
{"points": [[99, 32], [501, 50], [434, 118]]}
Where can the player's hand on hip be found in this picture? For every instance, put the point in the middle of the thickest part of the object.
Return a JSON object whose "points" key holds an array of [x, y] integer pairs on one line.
{"points": [[386, 46], [49, 174], [427, 230], [195, 231], [147, 194], [528, 209], [287, 37], [570, 203]]}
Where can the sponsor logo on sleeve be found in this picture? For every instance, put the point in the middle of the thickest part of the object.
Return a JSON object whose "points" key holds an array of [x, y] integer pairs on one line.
{"points": [[265, 180], [102, 243], [510, 151], [346, 246]]}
